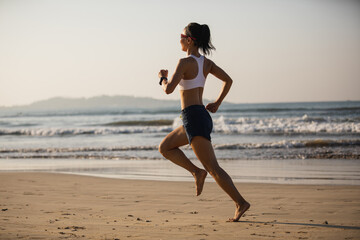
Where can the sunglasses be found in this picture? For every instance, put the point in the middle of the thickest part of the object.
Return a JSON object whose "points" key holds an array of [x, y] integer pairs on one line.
{"points": [[185, 36]]}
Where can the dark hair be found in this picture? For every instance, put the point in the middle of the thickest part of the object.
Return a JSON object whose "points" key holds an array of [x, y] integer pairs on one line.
{"points": [[201, 35]]}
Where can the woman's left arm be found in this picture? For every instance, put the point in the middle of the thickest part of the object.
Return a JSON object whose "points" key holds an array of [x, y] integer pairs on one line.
{"points": [[227, 82], [169, 86]]}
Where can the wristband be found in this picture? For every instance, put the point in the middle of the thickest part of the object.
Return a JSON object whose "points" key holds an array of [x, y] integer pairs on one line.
{"points": [[161, 79]]}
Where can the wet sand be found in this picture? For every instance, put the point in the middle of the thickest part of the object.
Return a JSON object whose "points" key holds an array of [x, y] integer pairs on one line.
{"points": [[64, 206]]}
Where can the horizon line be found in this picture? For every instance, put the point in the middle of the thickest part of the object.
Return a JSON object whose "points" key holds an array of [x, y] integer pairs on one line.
{"points": [[133, 96]]}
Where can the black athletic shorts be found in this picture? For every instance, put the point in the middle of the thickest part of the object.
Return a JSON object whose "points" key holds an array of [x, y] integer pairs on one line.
{"points": [[197, 122]]}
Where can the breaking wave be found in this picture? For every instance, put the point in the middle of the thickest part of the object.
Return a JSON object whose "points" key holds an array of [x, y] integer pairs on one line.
{"points": [[290, 144], [223, 125], [160, 122], [318, 143]]}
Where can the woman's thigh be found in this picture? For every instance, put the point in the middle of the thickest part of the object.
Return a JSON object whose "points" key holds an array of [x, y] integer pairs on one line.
{"points": [[204, 151], [175, 139]]}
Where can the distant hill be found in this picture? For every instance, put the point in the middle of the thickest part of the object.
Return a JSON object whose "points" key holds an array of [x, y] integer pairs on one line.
{"points": [[96, 103]]}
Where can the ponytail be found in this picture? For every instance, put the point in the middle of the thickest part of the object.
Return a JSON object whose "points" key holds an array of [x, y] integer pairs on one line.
{"points": [[201, 35]]}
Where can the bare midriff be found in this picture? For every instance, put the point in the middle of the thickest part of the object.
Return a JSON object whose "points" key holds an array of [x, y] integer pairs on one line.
{"points": [[191, 97]]}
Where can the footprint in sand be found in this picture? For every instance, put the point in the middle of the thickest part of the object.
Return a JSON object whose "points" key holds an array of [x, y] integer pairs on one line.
{"points": [[197, 225], [168, 211], [31, 193], [277, 198], [75, 228], [202, 234]]}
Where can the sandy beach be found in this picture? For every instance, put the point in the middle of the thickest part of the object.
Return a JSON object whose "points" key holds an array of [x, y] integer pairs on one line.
{"points": [[64, 206]]}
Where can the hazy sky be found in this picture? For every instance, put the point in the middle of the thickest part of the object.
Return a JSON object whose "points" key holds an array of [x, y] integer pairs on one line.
{"points": [[275, 50]]}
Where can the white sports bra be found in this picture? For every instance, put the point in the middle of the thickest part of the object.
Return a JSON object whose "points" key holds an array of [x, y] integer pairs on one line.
{"points": [[199, 80]]}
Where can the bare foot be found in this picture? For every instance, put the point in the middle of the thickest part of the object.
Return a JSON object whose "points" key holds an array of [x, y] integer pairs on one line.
{"points": [[199, 180], [240, 210]]}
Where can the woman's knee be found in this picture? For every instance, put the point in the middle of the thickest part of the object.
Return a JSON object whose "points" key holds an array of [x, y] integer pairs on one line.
{"points": [[163, 148]]}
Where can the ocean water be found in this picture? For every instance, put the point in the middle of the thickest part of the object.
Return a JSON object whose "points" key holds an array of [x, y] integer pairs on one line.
{"points": [[315, 142]]}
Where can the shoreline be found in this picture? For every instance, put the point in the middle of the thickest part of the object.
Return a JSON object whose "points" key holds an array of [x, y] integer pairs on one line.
{"points": [[188, 179], [291, 171], [55, 206]]}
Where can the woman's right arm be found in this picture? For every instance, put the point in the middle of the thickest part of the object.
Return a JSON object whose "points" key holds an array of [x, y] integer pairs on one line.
{"points": [[227, 82], [169, 86]]}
